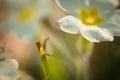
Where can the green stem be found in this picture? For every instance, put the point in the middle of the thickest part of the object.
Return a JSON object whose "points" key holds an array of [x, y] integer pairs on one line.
{"points": [[45, 66]]}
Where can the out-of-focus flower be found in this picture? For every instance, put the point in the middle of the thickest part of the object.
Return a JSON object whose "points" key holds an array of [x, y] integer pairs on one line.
{"points": [[94, 19], [24, 16], [8, 69]]}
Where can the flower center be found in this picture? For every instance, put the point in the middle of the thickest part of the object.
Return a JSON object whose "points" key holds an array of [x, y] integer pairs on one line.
{"points": [[91, 17], [27, 14], [90, 20]]}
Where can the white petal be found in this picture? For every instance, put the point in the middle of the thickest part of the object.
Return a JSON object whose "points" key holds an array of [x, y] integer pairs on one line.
{"points": [[114, 2], [95, 34], [72, 6], [113, 25], [113, 28], [115, 19], [70, 24]]}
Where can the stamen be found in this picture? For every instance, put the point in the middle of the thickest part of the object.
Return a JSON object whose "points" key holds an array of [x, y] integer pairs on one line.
{"points": [[91, 17]]}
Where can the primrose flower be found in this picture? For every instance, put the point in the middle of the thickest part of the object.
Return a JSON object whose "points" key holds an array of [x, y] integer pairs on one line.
{"points": [[91, 18], [24, 16]]}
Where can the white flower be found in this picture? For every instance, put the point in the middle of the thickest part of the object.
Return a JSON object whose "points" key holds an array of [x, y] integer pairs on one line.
{"points": [[8, 69], [91, 18], [24, 16]]}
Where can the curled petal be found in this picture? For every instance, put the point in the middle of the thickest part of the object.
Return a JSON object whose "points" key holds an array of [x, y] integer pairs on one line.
{"points": [[70, 24]]}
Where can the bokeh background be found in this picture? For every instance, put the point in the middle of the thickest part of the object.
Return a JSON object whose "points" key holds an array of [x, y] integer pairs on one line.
{"points": [[71, 57]]}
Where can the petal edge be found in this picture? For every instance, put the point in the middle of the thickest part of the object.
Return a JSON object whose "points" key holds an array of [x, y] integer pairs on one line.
{"points": [[69, 24]]}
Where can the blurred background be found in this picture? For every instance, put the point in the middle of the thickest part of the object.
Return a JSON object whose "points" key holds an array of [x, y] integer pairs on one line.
{"points": [[69, 57]]}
